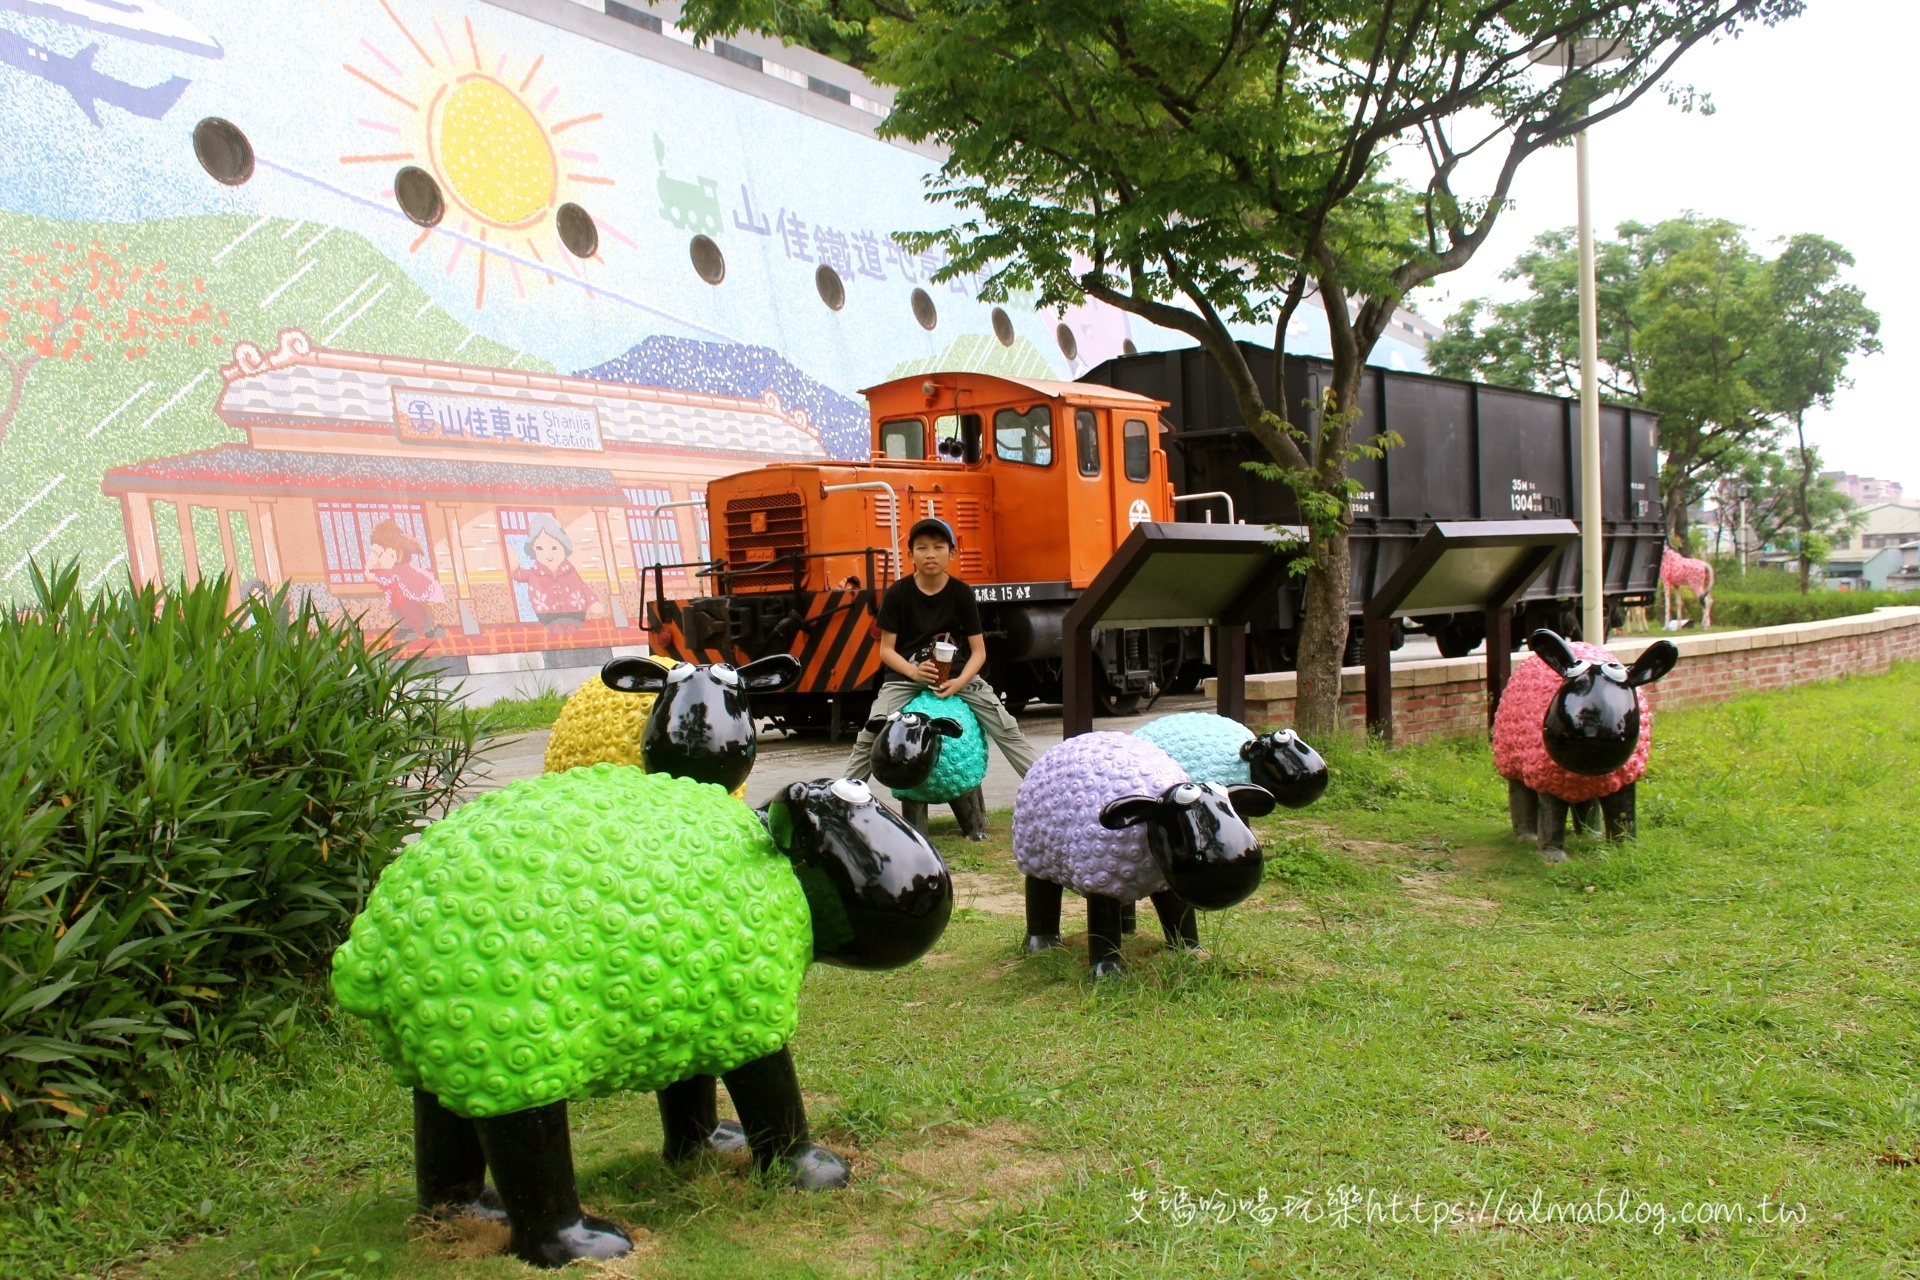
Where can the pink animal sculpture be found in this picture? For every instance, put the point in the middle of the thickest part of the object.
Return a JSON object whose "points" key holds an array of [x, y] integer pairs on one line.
{"points": [[1573, 731], [1677, 571]]}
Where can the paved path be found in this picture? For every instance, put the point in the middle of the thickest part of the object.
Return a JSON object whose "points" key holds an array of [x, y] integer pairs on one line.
{"points": [[784, 760]]}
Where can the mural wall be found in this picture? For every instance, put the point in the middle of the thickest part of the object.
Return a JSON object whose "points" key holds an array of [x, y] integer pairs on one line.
{"points": [[429, 309]]}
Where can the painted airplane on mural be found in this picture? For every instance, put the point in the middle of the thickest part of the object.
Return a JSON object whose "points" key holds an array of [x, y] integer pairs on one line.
{"points": [[89, 86]]}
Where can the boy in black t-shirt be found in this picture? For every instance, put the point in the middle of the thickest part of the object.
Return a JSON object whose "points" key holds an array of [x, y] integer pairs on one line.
{"points": [[916, 611]]}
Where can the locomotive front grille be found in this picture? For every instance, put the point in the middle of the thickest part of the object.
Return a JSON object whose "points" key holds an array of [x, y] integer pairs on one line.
{"points": [[762, 529]]}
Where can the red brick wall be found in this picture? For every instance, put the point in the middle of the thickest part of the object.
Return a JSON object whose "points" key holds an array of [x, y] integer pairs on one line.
{"points": [[1447, 698]]}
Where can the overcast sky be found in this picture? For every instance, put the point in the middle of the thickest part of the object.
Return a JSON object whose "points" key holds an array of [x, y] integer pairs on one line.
{"points": [[1806, 136]]}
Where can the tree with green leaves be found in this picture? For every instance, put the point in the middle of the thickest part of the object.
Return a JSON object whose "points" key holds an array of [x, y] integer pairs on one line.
{"points": [[1819, 325], [1204, 164], [1781, 513], [1724, 344], [1681, 305]]}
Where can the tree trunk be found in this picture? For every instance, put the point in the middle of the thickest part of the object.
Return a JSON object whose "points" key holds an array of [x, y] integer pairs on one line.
{"points": [[16, 383], [1323, 628], [1323, 637], [1805, 512]]}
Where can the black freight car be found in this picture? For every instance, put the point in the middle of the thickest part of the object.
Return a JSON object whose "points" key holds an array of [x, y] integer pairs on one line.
{"points": [[1471, 452]]}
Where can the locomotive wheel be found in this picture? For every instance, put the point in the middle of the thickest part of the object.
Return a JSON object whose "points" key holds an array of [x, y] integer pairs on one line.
{"points": [[1109, 701]]}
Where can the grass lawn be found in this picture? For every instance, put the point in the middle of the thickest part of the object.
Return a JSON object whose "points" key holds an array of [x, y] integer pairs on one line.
{"points": [[1412, 1005]]}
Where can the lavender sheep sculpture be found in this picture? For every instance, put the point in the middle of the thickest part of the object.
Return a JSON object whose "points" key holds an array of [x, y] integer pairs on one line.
{"points": [[1115, 819], [1573, 730], [1213, 748]]}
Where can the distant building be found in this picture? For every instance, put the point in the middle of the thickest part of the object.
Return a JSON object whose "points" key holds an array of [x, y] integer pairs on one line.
{"points": [[1865, 569], [1907, 576], [1890, 524], [1864, 490]]}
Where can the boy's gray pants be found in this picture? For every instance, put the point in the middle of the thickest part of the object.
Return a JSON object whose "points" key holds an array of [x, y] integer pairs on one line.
{"points": [[1002, 729]]}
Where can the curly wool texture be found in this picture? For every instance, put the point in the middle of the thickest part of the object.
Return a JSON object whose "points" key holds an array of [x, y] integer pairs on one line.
{"points": [[599, 725], [963, 760], [1057, 834], [1205, 745], [1520, 752], [576, 934]]}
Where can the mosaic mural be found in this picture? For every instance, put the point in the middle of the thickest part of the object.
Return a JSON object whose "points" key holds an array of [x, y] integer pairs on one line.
{"points": [[439, 314]]}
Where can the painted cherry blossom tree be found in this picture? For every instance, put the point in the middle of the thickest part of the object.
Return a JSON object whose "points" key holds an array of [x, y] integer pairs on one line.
{"points": [[78, 302]]}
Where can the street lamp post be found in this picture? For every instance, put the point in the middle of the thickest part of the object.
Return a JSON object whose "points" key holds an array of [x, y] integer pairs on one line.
{"points": [[1569, 56]]}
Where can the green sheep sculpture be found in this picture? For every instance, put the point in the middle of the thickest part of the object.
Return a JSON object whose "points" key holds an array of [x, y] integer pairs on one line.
{"points": [[608, 929]]}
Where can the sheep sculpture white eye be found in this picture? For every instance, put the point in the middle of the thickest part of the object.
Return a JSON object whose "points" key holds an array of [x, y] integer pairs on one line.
{"points": [[1615, 671], [1185, 794], [852, 790], [726, 675], [682, 672]]}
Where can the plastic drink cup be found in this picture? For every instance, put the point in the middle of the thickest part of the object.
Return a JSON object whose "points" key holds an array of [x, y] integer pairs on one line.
{"points": [[943, 655]]}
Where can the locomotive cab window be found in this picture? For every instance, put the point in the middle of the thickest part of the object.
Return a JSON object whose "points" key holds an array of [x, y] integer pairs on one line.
{"points": [[904, 438], [1026, 438], [1137, 449], [1086, 440], [956, 438]]}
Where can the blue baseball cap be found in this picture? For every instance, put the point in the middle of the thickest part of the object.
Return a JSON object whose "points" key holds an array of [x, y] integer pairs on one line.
{"points": [[934, 526]]}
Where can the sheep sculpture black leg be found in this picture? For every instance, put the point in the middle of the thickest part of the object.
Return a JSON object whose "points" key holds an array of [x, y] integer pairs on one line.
{"points": [[1618, 810], [1177, 920], [766, 1093], [1103, 934], [1043, 914], [1523, 806], [690, 1120], [773, 1122], [970, 811], [531, 1156], [449, 1166], [1553, 828]]}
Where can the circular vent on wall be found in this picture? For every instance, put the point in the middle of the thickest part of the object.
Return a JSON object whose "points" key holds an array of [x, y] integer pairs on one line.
{"points": [[833, 290], [223, 151], [577, 231], [708, 261], [1003, 326], [419, 196]]}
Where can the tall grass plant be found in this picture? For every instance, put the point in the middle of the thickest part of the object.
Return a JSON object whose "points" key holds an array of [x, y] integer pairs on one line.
{"points": [[194, 802]]}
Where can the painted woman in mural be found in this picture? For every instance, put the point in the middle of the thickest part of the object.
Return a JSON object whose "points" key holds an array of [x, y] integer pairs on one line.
{"points": [[561, 599], [408, 588]]}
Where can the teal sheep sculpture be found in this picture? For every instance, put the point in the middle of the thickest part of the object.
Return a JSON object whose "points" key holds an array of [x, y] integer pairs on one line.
{"points": [[1214, 748], [960, 766], [963, 760]]}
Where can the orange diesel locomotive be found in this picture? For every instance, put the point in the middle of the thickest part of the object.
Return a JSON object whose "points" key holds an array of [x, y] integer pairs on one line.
{"points": [[1040, 482]]}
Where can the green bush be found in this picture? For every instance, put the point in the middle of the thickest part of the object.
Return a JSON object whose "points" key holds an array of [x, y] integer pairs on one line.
{"points": [[1754, 580], [193, 805], [1773, 609]]}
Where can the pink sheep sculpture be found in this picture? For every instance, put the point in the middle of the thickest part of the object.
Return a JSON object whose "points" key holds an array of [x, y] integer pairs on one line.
{"points": [[1573, 729]]}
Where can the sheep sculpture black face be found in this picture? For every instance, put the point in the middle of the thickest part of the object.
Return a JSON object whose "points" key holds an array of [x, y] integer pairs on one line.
{"points": [[604, 929], [906, 747], [879, 894], [1285, 765], [700, 728], [1593, 723], [1196, 833]]}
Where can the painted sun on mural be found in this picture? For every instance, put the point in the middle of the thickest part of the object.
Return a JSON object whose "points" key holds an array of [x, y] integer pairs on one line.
{"points": [[496, 139]]}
